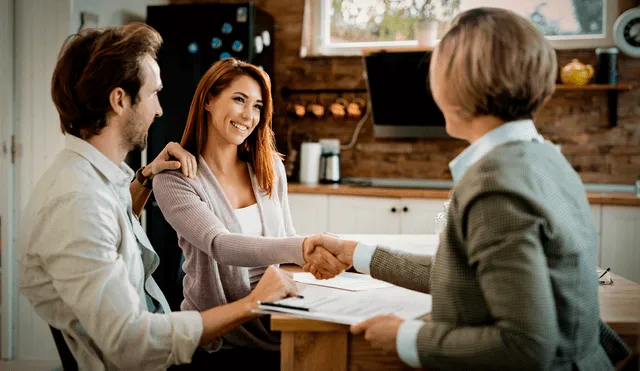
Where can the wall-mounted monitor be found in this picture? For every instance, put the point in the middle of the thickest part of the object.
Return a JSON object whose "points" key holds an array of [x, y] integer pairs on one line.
{"points": [[401, 101]]}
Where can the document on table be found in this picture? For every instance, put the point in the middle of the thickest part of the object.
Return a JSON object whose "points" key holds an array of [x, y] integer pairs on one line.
{"points": [[350, 308], [344, 281]]}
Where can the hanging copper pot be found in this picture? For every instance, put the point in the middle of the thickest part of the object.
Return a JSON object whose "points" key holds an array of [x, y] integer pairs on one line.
{"points": [[316, 109], [338, 109], [296, 109], [355, 109]]}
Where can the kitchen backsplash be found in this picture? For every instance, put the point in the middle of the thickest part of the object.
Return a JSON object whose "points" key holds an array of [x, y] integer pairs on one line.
{"points": [[578, 121]]}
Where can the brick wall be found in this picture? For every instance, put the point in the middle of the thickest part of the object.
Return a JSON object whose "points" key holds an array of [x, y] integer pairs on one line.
{"points": [[576, 120]]}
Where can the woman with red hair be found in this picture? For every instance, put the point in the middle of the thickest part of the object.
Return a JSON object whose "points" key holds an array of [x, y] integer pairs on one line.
{"points": [[233, 219]]}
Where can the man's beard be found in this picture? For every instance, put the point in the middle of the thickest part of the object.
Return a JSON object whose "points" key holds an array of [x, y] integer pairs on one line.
{"points": [[134, 137]]}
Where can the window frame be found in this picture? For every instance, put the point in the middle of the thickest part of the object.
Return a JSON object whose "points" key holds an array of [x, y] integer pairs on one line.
{"points": [[316, 32]]}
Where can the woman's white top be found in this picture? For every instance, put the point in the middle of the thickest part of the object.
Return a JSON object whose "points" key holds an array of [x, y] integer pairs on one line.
{"points": [[251, 224]]}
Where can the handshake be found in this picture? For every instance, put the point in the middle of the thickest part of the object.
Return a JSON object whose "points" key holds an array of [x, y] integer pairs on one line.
{"points": [[327, 256]]}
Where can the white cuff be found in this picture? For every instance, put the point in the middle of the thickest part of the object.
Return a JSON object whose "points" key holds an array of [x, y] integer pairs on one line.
{"points": [[187, 331], [362, 256], [407, 342]]}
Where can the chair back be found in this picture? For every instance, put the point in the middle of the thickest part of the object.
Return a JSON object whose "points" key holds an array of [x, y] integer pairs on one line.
{"points": [[68, 362]]}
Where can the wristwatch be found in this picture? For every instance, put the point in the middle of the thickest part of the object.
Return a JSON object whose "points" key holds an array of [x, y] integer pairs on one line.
{"points": [[146, 182]]}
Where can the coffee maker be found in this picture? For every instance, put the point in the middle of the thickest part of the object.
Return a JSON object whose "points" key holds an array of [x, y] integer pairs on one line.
{"points": [[330, 161]]}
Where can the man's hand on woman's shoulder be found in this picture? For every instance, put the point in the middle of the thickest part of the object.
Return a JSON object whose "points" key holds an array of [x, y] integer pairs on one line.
{"points": [[172, 157]]}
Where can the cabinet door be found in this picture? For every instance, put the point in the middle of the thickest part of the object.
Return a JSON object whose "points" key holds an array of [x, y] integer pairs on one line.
{"points": [[353, 215], [621, 240], [596, 211], [418, 216], [309, 213]]}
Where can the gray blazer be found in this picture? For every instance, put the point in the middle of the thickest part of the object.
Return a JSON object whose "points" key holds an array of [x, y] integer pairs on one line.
{"points": [[515, 283]]}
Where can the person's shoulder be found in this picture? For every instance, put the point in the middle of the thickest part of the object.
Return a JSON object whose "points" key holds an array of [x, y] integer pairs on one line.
{"points": [[279, 169], [53, 204], [68, 178], [170, 183], [278, 163], [170, 176], [511, 161], [530, 170], [278, 159]]}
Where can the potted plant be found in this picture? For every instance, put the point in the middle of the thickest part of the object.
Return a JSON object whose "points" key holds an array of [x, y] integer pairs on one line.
{"points": [[428, 25]]}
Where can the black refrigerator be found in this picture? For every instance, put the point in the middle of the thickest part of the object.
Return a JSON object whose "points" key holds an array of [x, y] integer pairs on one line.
{"points": [[194, 37]]}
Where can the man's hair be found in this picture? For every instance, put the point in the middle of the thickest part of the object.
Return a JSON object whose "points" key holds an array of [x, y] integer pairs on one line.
{"points": [[495, 63], [91, 64]]}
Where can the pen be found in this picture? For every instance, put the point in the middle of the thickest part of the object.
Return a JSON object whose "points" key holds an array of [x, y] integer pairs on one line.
{"points": [[605, 272], [284, 306]]}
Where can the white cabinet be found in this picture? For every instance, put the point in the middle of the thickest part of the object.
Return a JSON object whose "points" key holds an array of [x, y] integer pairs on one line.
{"points": [[418, 215], [364, 215], [357, 215], [621, 240], [596, 212], [309, 213]]}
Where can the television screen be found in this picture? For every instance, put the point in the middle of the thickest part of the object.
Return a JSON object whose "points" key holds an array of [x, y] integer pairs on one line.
{"points": [[401, 101]]}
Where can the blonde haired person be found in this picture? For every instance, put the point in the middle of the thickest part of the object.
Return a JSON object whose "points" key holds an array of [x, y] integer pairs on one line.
{"points": [[514, 287]]}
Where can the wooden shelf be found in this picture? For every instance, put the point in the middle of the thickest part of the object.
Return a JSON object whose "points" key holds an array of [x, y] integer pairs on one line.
{"points": [[612, 95], [595, 87]]}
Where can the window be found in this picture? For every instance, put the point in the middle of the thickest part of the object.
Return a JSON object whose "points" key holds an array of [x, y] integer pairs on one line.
{"points": [[344, 27]]}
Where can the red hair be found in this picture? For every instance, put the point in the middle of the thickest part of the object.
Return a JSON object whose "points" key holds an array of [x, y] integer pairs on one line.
{"points": [[259, 148]]}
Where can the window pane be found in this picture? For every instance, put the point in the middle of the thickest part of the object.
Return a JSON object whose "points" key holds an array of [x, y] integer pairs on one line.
{"points": [[554, 17], [394, 20]]}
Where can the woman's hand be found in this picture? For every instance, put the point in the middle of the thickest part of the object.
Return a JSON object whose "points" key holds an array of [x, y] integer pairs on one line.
{"points": [[320, 262], [336, 255], [172, 157], [275, 284]]}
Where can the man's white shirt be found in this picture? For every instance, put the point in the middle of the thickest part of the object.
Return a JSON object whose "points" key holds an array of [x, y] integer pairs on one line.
{"points": [[87, 264]]}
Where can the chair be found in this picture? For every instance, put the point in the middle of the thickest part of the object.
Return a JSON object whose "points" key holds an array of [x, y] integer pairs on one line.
{"points": [[68, 362]]}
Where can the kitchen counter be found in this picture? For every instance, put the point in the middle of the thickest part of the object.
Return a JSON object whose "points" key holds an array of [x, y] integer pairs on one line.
{"points": [[602, 198]]}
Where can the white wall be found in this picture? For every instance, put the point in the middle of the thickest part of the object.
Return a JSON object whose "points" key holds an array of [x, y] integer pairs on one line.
{"points": [[41, 28], [6, 168], [113, 12]]}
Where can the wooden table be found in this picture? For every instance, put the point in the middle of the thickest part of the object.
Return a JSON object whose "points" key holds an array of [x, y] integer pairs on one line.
{"points": [[620, 309], [314, 345]]}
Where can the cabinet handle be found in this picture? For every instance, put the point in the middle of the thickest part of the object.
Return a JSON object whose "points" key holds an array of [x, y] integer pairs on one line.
{"points": [[405, 209], [393, 210]]}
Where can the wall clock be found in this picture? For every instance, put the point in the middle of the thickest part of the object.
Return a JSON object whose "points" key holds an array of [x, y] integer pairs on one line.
{"points": [[626, 32]]}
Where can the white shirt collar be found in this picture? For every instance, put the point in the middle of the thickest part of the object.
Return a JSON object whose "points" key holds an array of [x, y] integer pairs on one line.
{"points": [[521, 130], [121, 175]]}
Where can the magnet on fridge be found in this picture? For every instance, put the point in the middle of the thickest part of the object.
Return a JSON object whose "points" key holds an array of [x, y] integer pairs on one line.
{"points": [[237, 46], [266, 38], [241, 14], [193, 47], [227, 28], [225, 55], [259, 45], [216, 43]]}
